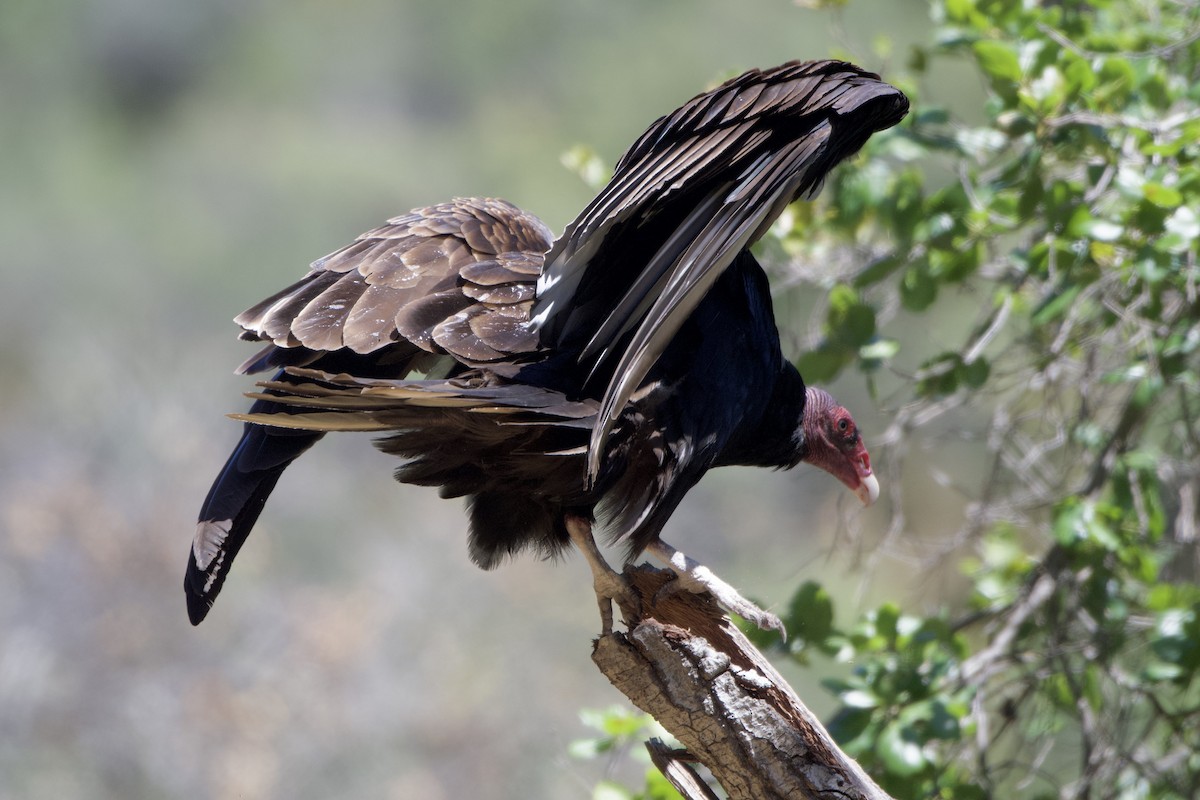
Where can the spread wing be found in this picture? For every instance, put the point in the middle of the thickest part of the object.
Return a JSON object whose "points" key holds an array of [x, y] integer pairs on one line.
{"points": [[699, 186], [456, 278]]}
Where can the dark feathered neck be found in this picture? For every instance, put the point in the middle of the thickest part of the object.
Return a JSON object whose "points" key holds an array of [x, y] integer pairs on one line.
{"points": [[777, 440]]}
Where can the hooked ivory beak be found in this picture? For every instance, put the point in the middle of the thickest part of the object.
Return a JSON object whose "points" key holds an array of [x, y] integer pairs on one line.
{"points": [[868, 489]]}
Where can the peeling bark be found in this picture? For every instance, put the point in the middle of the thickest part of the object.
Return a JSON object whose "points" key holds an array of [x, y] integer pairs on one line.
{"points": [[686, 664]]}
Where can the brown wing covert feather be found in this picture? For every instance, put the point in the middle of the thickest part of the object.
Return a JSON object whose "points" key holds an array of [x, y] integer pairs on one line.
{"points": [[453, 278]]}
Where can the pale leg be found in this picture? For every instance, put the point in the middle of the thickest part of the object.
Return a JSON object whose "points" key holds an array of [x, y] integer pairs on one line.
{"points": [[697, 578], [609, 584]]}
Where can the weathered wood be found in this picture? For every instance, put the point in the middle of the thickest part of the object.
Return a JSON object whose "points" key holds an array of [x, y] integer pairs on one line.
{"points": [[676, 766], [686, 664]]}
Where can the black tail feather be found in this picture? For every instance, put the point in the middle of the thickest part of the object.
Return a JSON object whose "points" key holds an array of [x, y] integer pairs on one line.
{"points": [[234, 502]]}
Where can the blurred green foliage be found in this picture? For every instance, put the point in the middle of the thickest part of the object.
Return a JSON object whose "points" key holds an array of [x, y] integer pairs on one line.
{"points": [[1070, 214], [620, 732]]}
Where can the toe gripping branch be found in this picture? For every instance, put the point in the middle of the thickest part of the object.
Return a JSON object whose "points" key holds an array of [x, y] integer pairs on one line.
{"points": [[647, 592]]}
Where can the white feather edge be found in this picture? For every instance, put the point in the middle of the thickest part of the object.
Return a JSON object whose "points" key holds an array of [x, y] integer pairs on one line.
{"points": [[210, 541]]}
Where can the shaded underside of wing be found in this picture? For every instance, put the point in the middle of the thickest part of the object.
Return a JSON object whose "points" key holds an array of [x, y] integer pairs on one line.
{"points": [[321, 401], [739, 221], [456, 278]]}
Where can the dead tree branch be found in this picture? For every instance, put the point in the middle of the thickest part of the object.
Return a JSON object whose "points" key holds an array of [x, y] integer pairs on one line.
{"points": [[687, 665]]}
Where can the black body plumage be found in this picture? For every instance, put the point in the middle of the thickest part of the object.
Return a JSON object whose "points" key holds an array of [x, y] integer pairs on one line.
{"points": [[603, 373]]}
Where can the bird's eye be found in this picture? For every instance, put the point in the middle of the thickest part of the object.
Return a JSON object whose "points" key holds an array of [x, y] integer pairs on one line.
{"points": [[843, 424]]}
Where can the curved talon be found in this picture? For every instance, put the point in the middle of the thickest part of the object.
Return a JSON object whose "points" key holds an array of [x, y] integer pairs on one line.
{"points": [[671, 587], [613, 586], [763, 620]]}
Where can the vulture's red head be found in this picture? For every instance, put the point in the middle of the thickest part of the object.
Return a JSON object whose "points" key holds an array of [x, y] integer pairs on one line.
{"points": [[832, 442]]}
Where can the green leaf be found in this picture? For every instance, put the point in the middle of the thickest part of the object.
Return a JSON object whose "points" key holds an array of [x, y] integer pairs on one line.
{"points": [[1091, 687], [901, 751], [1068, 525], [917, 289], [879, 350], [1177, 640], [1081, 521], [941, 374], [998, 60], [975, 374], [943, 724], [1048, 90], [859, 698], [957, 262], [616, 721], [1103, 230], [1055, 306], [1081, 78], [810, 613], [1162, 196], [1099, 531], [878, 271], [1117, 79], [588, 749], [1161, 597], [959, 10], [980, 143], [823, 364], [1184, 223], [851, 322], [587, 164], [852, 728], [1147, 390], [1058, 690], [842, 297], [887, 618], [1159, 671], [857, 326]]}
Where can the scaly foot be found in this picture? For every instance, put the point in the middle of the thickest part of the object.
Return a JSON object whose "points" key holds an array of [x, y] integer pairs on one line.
{"points": [[697, 578]]}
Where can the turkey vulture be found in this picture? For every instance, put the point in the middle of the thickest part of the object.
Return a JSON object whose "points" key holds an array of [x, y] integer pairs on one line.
{"points": [[553, 381]]}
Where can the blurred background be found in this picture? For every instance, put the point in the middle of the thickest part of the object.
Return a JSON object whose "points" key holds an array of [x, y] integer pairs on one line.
{"points": [[165, 165]]}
